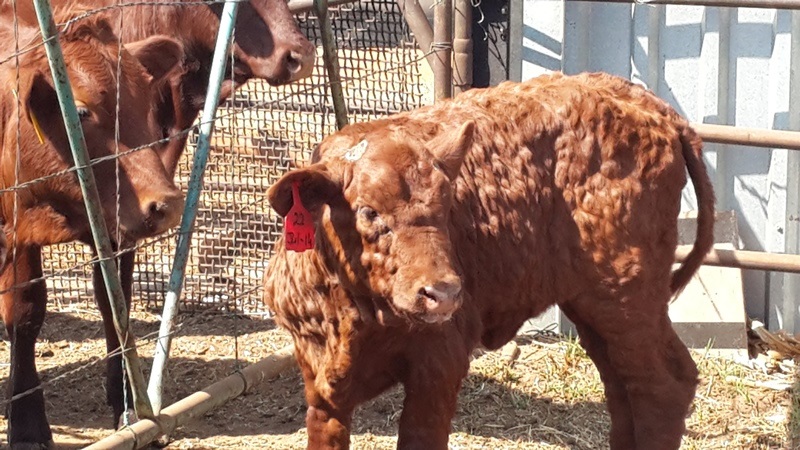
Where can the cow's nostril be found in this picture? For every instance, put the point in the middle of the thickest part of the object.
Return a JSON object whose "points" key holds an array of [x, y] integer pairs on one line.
{"points": [[155, 212], [294, 62]]}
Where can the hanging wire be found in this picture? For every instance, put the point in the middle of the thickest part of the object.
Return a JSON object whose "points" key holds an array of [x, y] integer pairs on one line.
{"points": [[120, 46], [236, 224], [17, 169]]}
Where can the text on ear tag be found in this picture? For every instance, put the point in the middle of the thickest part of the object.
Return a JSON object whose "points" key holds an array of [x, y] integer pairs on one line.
{"points": [[298, 228]]}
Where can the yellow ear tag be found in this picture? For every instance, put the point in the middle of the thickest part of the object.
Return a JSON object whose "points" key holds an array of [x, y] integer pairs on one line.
{"points": [[35, 122], [36, 127]]}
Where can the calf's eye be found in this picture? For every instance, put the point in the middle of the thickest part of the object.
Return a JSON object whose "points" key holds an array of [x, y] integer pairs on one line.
{"points": [[369, 213]]}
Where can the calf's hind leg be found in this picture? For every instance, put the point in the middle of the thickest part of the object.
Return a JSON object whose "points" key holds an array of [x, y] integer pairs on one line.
{"points": [[23, 311], [649, 359], [622, 435]]}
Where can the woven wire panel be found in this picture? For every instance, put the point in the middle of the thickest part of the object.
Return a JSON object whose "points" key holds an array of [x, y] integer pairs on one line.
{"points": [[260, 133]]}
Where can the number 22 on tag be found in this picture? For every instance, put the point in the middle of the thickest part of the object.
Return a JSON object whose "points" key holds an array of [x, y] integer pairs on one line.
{"points": [[299, 227]]}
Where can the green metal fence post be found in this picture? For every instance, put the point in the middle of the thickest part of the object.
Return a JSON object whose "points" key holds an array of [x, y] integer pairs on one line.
{"points": [[227, 22], [97, 223]]}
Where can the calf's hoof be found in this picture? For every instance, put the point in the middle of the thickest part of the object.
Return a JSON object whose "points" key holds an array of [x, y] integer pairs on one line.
{"points": [[49, 445]]}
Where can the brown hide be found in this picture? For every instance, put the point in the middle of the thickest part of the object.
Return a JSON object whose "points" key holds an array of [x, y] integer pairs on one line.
{"points": [[48, 208], [267, 45], [560, 190], [52, 211]]}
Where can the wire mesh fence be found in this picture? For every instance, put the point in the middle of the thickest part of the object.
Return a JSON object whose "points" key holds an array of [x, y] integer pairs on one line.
{"points": [[261, 132]]}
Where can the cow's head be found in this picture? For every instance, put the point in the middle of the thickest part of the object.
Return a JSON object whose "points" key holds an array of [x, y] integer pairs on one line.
{"points": [[381, 203], [268, 43], [135, 192]]}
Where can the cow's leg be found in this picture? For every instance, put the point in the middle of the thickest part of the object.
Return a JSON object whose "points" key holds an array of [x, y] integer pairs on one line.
{"points": [[622, 436], [328, 425], [428, 411], [657, 370], [116, 388], [23, 312]]}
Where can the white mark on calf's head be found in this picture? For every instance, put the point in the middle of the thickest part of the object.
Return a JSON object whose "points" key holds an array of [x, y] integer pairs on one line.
{"points": [[355, 153]]}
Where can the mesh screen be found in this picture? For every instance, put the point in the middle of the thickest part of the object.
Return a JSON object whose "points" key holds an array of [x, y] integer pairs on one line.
{"points": [[260, 133]]}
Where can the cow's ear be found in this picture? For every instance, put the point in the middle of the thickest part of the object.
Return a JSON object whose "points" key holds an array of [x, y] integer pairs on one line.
{"points": [[451, 147], [159, 54], [315, 185], [40, 104]]}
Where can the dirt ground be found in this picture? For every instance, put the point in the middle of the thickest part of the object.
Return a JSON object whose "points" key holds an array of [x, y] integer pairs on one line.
{"points": [[549, 398]]}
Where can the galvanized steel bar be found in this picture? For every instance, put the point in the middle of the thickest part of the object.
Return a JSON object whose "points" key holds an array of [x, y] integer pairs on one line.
{"points": [[791, 282], [227, 22], [769, 4], [442, 46], [331, 62], [94, 212]]}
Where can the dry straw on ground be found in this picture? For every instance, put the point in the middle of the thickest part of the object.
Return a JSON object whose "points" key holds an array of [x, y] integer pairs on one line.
{"points": [[548, 397]]}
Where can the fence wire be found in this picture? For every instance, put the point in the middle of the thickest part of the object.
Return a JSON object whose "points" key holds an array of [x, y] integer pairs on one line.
{"points": [[260, 133]]}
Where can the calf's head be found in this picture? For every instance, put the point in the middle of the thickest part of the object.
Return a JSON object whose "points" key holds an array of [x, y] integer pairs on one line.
{"points": [[381, 203], [136, 194]]}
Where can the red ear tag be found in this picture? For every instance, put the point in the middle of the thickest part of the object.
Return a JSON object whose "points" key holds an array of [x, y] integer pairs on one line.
{"points": [[298, 231]]}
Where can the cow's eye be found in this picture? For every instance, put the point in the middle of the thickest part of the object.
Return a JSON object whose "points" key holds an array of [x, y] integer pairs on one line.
{"points": [[83, 110], [368, 213]]}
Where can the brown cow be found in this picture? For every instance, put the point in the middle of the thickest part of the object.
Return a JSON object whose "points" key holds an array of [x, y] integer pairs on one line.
{"points": [[449, 226], [267, 44], [52, 211]]}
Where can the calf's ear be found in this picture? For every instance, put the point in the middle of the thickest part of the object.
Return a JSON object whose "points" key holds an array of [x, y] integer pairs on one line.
{"points": [[159, 54], [315, 185], [451, 147]]}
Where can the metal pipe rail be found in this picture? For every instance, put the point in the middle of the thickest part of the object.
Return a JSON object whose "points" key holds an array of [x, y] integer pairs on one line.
{"points": [[227, 22], [442, 46], [331, 63], [756, 137], [769, 4], [742, 259]]}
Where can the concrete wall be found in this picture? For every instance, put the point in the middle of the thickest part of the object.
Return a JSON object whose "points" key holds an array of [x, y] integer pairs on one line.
{"points": [[728, 66]]}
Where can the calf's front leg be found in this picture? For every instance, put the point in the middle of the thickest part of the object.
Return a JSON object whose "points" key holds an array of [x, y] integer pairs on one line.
{"points": [[428, 411]]}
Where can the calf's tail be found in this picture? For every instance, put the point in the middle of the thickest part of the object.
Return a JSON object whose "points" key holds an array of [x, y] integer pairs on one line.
{"points": [[693, 155]]}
